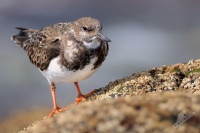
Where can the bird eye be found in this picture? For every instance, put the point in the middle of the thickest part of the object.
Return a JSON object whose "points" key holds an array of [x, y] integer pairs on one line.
{"points": [[85, 28]]}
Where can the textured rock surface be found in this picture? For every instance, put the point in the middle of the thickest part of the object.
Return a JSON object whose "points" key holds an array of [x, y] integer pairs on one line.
{"points": [[150, 113], [149, 101], [178, 77]]}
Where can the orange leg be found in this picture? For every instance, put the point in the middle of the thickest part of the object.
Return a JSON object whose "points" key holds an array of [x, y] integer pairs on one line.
{"points": [[80, 96], [56, 109]]}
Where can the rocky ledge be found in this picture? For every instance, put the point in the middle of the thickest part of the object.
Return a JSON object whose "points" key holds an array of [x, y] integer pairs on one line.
{"points": [[164, 99]]}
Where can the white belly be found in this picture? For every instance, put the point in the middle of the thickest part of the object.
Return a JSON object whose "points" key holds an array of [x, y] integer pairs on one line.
{"points": [[59, 74]]}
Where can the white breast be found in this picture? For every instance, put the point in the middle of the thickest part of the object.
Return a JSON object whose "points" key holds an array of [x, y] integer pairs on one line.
{"points": [[59, 74]]}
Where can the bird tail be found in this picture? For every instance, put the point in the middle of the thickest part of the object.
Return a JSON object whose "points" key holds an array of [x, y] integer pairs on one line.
{"points": [[22, 36]]}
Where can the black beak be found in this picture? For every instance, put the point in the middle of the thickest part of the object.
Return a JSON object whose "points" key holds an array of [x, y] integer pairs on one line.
{"points": [[102, 37]]}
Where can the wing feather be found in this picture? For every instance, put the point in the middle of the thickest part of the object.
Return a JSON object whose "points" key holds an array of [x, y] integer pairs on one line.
{"points": [[42, 45]]}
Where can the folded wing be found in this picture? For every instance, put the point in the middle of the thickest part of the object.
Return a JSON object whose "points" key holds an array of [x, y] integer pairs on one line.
{"points": [[40, 45]]}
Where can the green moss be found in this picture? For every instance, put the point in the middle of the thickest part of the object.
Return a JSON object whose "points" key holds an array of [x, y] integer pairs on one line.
{"points": [[193, 71], [176, 69]]}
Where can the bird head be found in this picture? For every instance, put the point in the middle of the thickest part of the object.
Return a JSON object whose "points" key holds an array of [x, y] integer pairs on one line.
{"points": [[88, 31]]}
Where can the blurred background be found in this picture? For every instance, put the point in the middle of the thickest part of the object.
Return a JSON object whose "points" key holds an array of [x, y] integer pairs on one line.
{"points": [[144, 34]]}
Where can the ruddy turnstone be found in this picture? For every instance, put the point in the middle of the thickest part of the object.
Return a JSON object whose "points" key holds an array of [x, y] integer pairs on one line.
{"points": [[65, 52]]}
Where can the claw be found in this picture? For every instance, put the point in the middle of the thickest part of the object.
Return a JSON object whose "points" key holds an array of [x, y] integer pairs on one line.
{"points": [[56, 111]]}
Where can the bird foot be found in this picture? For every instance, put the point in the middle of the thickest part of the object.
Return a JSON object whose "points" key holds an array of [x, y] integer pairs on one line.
{"points": [[56, 111], [83, 97]]}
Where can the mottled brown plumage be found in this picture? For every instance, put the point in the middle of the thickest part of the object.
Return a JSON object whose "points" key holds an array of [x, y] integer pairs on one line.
{"points": [[65, 52], [45, 44], [40, 45]]}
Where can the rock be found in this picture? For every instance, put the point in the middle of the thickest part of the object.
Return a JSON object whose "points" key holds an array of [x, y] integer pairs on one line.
{"points": [[148, 113], [161, 99]]}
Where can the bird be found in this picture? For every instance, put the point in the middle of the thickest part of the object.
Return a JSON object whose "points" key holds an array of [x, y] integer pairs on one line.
{"points": [[66, 52]]}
